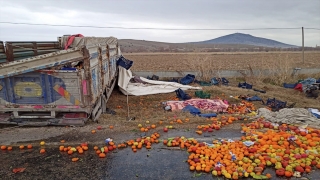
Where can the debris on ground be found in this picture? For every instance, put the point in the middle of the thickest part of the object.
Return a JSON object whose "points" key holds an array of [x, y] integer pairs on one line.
{"points": [[16, 170], [298, 116]]}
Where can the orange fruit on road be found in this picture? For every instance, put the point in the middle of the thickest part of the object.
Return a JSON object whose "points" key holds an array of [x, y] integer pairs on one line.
{"points": [[70, 152], [93, 131], [3, 147], [80, 151], [74, 159], [268, 175], [61, 148], [62, 141], [192, 168], [102, 155], [29, 146], [95, 147], [9, 148], [111, 127], [42, 151], [198, 168], [21, 146]]}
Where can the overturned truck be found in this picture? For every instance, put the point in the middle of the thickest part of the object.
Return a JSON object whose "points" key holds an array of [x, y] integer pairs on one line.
{"points": [[66, 87]]}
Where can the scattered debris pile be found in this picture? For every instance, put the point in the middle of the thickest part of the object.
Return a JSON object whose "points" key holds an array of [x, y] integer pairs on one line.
{"points": [[298, 116]]}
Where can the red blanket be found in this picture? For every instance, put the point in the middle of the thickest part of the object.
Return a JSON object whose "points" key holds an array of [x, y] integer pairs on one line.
{"points": [[214, 105]]}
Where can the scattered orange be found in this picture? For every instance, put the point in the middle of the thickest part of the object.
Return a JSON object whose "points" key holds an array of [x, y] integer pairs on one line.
{"points": [[70, 152], [102, 155], [74, 159]]}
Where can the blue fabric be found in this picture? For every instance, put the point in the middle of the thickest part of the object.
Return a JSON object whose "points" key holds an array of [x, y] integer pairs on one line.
{"points": [[193, 110], [245, 85], [290, 86], [254, 98], [189, 78], [318, 81], [214, 81], [316, 115], [208, 115], [276, 104], [125, 63], [182, 95], [224, 81]]}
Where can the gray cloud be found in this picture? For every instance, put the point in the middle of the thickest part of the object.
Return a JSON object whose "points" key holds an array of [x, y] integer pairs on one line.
{"points": [[161, 14]]}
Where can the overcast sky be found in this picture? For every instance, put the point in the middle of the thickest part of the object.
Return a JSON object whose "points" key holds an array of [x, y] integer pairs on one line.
{"points": [[235, 14]]}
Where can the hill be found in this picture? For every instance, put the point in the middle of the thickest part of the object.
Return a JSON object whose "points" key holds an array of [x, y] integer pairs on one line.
{"points": [[131, 46], [246, 39]]}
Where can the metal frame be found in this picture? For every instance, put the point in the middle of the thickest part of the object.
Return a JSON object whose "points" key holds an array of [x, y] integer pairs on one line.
{"points": [[93, 107]]}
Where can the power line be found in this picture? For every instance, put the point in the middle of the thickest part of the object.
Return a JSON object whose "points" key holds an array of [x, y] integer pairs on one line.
{"points": [[145, 28], [313, 28]]}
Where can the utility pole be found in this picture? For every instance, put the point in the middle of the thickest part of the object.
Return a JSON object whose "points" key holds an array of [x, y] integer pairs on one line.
{"points": [[302, 45]]}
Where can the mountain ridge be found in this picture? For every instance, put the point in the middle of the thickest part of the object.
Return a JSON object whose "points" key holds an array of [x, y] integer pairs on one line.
{"points": [[245, 39]]}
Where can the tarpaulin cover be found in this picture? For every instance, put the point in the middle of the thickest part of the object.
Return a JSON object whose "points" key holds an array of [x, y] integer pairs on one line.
{"points": [[299, 116], [88, 41], [149, 87]]}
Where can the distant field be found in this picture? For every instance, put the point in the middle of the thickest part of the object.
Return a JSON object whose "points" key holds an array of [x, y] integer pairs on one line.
{"points": [[222, 60]]}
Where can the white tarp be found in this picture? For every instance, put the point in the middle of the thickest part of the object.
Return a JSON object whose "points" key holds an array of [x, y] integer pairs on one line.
{"points": [[299, 116], [151, 87], [89, 41]]}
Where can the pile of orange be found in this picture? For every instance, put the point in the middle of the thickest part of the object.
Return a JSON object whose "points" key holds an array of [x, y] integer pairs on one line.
{"points": [[143, 142], [242, 108], [286, 148]]}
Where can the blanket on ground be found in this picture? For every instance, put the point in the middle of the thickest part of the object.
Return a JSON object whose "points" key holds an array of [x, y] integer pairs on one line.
{"points": [[215, 105], [297, 116]]}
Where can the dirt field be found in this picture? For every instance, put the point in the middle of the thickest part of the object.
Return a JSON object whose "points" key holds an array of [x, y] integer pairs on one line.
{"points": [[223, 61]]}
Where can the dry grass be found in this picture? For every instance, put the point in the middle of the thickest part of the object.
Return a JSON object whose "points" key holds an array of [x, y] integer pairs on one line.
{"points": [[223, 61]]}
